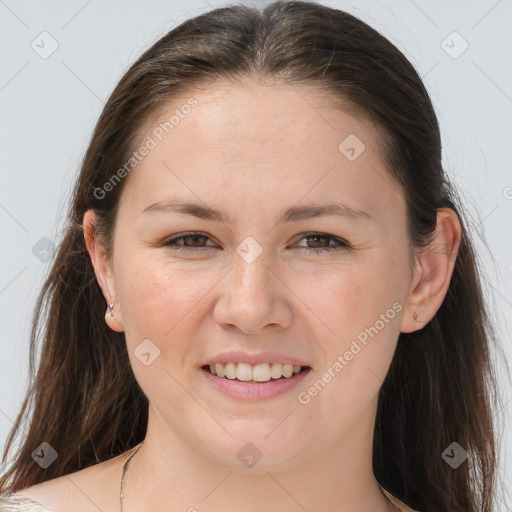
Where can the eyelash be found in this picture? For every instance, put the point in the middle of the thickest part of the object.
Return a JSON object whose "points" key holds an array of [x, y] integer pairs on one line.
{"points": [[182, 248]]}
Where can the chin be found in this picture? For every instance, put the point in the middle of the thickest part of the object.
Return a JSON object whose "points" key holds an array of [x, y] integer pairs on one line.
{"points": [[260, 448]]}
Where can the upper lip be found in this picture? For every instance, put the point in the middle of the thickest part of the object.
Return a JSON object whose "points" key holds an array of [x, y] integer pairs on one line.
{"points": [[255, 358]]}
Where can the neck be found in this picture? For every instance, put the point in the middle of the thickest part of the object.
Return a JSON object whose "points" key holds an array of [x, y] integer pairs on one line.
{"points": [[169, 474]]}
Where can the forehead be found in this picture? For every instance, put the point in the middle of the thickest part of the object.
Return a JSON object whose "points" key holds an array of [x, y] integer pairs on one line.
{"points": [[246, 141]]}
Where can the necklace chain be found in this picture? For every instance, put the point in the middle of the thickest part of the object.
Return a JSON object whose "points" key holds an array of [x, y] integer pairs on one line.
{"points": [[127, 465], [125, 472]]}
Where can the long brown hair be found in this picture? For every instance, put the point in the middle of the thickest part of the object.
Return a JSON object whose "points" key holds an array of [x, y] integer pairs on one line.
{"points": [[441, 388]]}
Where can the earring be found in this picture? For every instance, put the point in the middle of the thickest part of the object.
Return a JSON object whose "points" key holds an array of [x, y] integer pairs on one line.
{"points": [[416, 317], [110, 308]]}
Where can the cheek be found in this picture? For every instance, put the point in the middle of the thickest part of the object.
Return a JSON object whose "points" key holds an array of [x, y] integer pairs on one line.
{"points": [[161, 303], [157, 295], [343, 298], [357, 334], [358, 310]]}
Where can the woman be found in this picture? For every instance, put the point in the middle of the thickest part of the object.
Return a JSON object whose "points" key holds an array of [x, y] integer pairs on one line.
{"points": [[266, 296]]}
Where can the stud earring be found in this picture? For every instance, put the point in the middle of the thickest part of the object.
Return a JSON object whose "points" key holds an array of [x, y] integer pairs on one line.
{"points": [[110, 308], [417, 318]]}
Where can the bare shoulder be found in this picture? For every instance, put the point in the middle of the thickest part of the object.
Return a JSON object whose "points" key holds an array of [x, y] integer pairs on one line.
{"points": [[399, 505], [89, 489]]}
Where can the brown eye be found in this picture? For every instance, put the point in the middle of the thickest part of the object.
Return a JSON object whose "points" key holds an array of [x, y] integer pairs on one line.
{"points": [[317, 242], [195, 240], [192, 242], [320, 242]]}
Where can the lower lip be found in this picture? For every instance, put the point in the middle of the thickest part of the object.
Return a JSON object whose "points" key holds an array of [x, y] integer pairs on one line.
{"points": [[254, 390]]}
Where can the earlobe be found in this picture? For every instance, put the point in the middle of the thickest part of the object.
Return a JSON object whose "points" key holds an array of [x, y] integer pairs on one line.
{"points": [[113, 317], [103, 271], [433, 272]]}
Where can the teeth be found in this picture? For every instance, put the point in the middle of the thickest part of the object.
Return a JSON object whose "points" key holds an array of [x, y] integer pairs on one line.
{"points": [[244, 371], [230, 371], [261, 372], [258, 373], [276, 371], [219, 370]]}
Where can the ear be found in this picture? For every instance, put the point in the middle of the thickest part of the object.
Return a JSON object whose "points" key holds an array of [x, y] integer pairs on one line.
{"points": [[103, 270], [433, 272]]}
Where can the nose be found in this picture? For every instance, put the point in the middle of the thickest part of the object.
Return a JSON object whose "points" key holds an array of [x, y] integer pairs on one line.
{"points": [[253, 298]]}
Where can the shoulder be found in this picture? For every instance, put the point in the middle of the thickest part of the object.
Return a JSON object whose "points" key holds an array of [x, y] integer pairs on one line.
{"points": [[89, 489], [41, 497], [402, 507], [14, 503]]}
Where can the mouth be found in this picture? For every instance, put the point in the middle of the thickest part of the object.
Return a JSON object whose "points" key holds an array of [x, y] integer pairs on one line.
{"points": [[254, 374], [245, 382]]}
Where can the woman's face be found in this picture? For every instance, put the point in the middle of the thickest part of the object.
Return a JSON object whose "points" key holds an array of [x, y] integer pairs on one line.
{"points": [[251, 279]]}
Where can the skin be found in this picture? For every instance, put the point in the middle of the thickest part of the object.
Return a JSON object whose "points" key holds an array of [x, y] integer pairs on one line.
{"points": [[251, 151]]}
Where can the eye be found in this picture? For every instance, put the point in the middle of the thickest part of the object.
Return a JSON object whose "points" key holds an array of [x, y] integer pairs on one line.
{"points": [[197, 239], [193, 237], [322, 247]]}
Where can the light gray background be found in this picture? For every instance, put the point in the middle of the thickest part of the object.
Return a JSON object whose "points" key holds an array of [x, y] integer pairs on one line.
{"points": [[50, 106]]}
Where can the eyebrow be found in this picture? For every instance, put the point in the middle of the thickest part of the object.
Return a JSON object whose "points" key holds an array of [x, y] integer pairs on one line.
{"points": [[293, 214]]}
